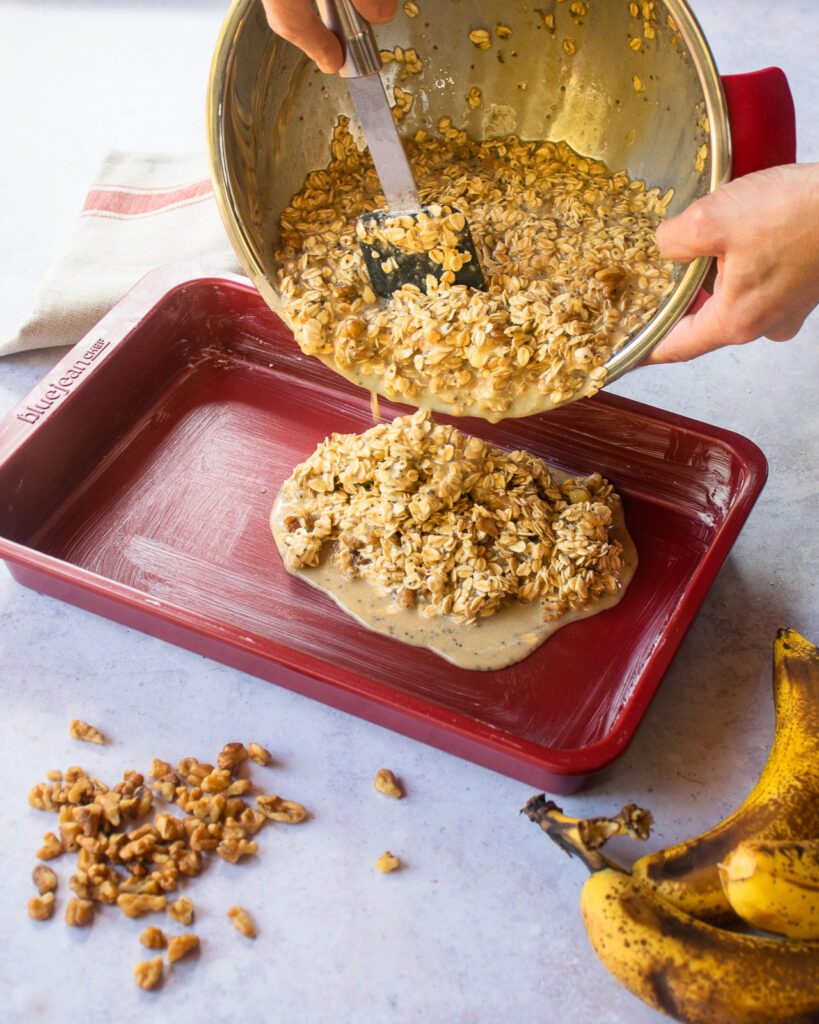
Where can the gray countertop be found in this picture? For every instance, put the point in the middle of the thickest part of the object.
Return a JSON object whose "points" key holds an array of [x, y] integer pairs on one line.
{"points": [[483, 924]]}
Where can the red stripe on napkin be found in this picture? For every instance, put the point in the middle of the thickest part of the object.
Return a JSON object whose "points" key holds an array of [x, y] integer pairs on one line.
{"points": [[134, 202]]}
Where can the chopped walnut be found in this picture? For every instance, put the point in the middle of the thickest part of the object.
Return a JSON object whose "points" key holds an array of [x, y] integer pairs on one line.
{"points": [[198, 771], [251, 820], [44, 878], [190, 863], [276, 809], [242, 921], [385, 782], [201, 839], [138, 848], [148, 973], [69, 833], [233, 849], [79, 912], [216, 781], [231, 756], [257, 753], [169, 827], [51, 848], [166, 789], [387, 862], [181, 945], [159, 769], [137, 904], [79, 730], [181, 910], [41, 907], [153, 938], [124, 859]]}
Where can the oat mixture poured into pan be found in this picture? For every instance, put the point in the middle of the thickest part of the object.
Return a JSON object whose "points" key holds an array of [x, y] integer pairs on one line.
{"points": [[567, 251], [444, 541]]}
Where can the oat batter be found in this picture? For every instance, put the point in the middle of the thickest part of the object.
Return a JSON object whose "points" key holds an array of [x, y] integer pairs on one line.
{"points": [[567, 250], [440, 540]]}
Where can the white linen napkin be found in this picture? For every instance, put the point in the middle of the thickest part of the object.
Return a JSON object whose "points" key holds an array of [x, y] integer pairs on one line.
{"points": [[142, 212]]}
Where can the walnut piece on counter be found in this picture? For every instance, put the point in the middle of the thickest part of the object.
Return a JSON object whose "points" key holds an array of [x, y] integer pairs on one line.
{"points": [[181, 910], [259, 754], [387, 862], [242, 921], [386, 782], [138, 904], [79, 730], [231, 756], [79, 912], [234, 848], [148, 973], [40, 908], [277, 809], [51, 848], [131, 853], [44, 878], [181, 945], [153, 937]]}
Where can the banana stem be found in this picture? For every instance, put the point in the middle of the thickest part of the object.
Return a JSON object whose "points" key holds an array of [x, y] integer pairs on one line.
{"points": [[584, 837]]}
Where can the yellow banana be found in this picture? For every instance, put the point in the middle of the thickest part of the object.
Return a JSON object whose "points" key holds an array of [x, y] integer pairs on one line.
{"points": [[690, 970], [775, 885], [783, 805], [694, 971]]}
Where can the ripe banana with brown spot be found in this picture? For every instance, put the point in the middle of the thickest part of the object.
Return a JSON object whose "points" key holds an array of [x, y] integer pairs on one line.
{"points": [[783, 805], [693, 971], [775, 886]]}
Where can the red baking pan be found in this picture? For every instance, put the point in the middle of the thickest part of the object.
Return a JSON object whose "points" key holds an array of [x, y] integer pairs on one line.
{"points": [[137, 480]]}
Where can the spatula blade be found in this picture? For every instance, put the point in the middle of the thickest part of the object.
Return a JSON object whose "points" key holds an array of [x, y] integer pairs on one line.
{"points": [[384, 142], [441, 249]]}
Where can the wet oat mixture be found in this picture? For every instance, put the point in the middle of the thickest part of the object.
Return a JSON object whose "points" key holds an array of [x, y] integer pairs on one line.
{"points": [[441, 540], [567, 251]]}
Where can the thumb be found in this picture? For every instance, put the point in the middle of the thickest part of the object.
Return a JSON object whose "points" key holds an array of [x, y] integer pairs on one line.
{"points": [[696, 334], [697, 231]]}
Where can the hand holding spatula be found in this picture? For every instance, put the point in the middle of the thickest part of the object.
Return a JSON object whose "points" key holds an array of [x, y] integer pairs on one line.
{"points": [[408, 243]]}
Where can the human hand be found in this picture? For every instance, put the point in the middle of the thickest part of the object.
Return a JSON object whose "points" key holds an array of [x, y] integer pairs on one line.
{"points": [[764, 230], [296, 21]]}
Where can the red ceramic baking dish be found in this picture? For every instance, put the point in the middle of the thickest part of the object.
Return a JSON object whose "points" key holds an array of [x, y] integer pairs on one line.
{"points": [[137, 479]]}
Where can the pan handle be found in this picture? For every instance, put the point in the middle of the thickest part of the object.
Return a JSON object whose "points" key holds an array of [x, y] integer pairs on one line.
{"points": [[762, 121]]}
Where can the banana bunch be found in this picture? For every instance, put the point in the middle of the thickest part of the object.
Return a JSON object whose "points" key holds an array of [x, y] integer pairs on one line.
{"points": [[657, 929]]}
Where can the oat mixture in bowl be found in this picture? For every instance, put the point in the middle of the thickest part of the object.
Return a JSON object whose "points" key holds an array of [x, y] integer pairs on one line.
{"points": [[441, 540], [567, 250]]}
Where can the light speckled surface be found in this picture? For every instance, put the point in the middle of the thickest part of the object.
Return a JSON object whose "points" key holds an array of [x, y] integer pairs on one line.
{"points": [[483, 925]]}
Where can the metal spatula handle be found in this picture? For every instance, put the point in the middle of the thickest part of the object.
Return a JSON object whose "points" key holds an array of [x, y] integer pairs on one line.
{"points": [[361, 55]]}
